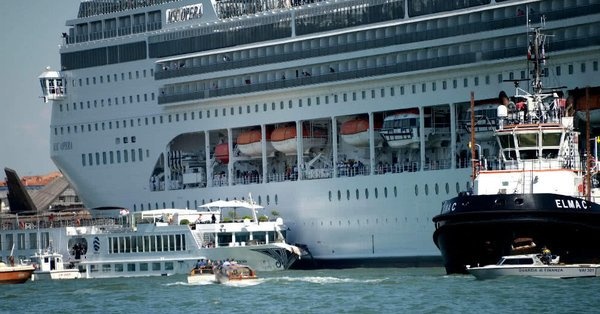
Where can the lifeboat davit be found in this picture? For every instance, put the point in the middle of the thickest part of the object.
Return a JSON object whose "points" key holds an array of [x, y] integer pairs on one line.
{"points": [[222, 153], [284, 139], [356, 132], [249, 143]]}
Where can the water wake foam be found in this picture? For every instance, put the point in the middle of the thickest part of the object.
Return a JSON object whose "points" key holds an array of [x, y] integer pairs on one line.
{"points": [[327, 280]]}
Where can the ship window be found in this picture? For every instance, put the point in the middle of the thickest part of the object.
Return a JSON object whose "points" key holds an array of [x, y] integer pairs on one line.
{"points": [[125, 156], [119, 156], [339, 194], [207, 114], [348, 194], [104, 158], [595, 65], [256, 106], [395, 191], [106, 268], [83, 160], [414, 88], [143, 266], [382, 92], [111, 157], [433, 86], [366, 193], [276, 199], [511, 76], [423, 87], [199, 114], [466, 82], [401, 90], [326, 99], [87, 81], [527, 140], [385, 192], [416, 190], [364, 94], [231, 111], [376, 193], [357, 194], [392, 92], [329, 191], [335, 98], [476, 80], [437, 189], [583, 68], [506, 141], [551, 139], [354, 96], [457, 187], [97, 158], [447, 188], [487, 80], [372, 93], [426, 189]]}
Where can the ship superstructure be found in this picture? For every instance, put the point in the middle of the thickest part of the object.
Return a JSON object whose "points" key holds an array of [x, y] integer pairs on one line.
{"points": [[349, 117]]}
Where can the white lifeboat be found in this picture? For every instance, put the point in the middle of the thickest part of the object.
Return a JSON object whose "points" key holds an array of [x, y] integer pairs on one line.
{"points": [[401, 130], [356, 132], [486, 121], [284, 139], [250, 143]]}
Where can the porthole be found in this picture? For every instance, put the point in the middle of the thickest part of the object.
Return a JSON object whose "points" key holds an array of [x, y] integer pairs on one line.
{"points": [[366, 193], [339, 195], [269, 198], [416, 190], [385, 192], [426, 189], [376, 193], [447, 188], [437, 189], [330, 196], [457, 188], [357, 194], [348, 194], [276, 199], [259, 200], [395, 191]]}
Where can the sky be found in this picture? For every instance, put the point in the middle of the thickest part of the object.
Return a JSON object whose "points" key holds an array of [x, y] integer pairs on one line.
{"points": [[31, 33]]}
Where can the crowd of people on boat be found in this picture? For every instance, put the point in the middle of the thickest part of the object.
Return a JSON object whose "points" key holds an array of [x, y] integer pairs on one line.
{"points": [[207, 264], [521, 111]]}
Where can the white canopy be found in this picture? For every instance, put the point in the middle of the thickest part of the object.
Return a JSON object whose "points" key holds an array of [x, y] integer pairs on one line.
{"points": [[231, 204]]}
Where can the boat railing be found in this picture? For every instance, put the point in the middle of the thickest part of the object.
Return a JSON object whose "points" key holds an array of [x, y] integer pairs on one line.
{"points": [[47, 222], [533, 164]]}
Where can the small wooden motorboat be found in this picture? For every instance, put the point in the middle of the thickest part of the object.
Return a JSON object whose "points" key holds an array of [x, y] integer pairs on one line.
{"points": [[203, 274], [234, 272], [11, 273]]}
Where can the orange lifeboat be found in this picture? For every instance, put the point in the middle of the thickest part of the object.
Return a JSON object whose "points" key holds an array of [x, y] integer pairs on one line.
{"points": [[222, 153], [250, 143], [284, 139], [356, 132]]}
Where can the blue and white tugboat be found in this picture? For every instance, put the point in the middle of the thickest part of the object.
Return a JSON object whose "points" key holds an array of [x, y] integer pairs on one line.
{"points": [[535, 187]]}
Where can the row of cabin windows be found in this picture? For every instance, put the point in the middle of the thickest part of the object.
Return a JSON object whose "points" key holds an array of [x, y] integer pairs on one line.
{"points": [[101, 79], [300, 102], [131, 267], [148, 243], [107, 102], [197, 203], [357, 195], [114, 157], [24, 242]]}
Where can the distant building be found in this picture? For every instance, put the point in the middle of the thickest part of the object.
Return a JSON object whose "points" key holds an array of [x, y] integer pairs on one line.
{"points": [[68, 199]]}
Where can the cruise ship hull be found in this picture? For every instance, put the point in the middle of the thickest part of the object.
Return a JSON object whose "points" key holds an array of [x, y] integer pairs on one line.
{"points": [[479, 230], [147, 103]]}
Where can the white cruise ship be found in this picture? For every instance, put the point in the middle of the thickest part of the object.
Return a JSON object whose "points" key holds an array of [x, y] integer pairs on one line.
{"points": [[177, 103]]}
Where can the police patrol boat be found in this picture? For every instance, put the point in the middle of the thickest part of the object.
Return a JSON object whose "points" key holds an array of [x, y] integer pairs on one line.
{"points": [[537, 182], [533, 265]]}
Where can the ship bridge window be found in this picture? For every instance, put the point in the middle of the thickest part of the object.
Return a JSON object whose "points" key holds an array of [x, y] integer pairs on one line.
{"points": [[506, 141], [527, 140], [551, 139], [528, 153]]}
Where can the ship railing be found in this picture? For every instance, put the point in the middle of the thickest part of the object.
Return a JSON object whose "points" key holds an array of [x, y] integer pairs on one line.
{"points": [[532, 164], [45, 222], [93, 8]]}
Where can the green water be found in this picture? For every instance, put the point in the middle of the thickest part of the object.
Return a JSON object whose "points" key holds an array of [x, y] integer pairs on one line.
{"points": [[391, 290]]}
